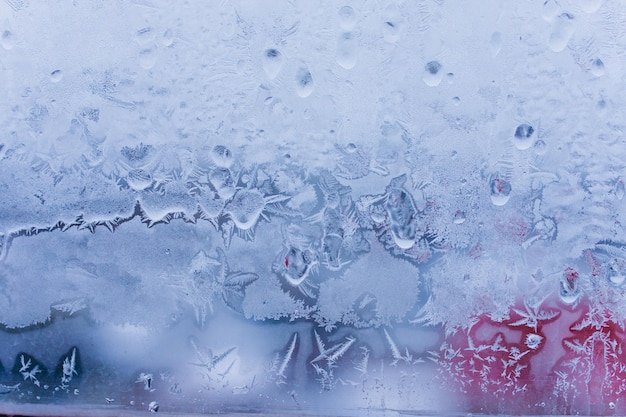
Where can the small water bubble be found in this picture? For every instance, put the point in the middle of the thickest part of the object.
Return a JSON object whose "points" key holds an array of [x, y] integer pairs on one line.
{"points": [[550, 10], [615, 273], [500, 190], [304, 82], [597, 67], [144, 36], [495, 43], [56, 76], [168, 38], [612, 405], [391, 24], [153, 407], [139, 179], [346, 50], [351, 148], [569, 290], [450, 77], [459, 217], [147, 58], [562, 31], [222, 156], [433, 73], [523, 136], [272, 62], [8, 40], [347, 18], [540, 147], [456, 100]]}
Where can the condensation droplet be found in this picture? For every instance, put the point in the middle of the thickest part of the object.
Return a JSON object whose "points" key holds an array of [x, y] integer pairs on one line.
{"points": [[222, 156], [523, 136], [346, 50], [459, 217], [351, 148], [550, 10], [612, 405], [168, 38], [562, 31], [347, 18], [304, 82], [144, 36], [433, 73], [590, 6], [569, 290], [147, 58], [597, 67], [500, 190], [495, 43], [272, 62], [456, 100], [8, 40], [56, 76], [615, 273], [391, 24]]}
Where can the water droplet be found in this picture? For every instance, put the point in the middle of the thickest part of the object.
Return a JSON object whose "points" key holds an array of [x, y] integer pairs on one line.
{"points": [[56, 76], [168, 38], [550, 10], [223, 182], [304, 82], [153, 407], [569, 290], [523, 136], [392, 22], [590, 6], [433, 73], [8, 40], [615, 273], [402, 211], [245, 208], [459, 217], [222, 156], [351, 148], [272, 62], [500, 190], [147, 58], [540, 147], [347, 18], [139, 179], [612, 405], [144, 36], [533, 341], [562, 31], [456, 100], [495, 43], [346, 50], [597, 67]]}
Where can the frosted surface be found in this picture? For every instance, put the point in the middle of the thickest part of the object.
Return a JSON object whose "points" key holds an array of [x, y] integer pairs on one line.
{"points": [[312, 207]]}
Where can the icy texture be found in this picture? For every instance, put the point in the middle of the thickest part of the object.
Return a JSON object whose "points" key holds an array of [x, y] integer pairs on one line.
{"points": [[313, 206]]}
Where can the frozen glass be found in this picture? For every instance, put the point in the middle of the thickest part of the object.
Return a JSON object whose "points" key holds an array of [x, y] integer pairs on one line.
{"points": [[312, 207]]}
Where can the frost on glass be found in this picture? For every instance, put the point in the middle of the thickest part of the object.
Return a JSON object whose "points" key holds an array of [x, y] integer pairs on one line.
{"points": [[311, 207]]}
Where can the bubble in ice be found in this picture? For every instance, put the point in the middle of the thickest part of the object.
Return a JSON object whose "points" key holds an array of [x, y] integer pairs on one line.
{"points": [[272, 62], [245, 208], [139, 179], [297, 265], [56, 76], [346, 50], [597, 67], [523, 136], [433, 73], [168, 38], [459, 217], [347, 18], [304, 82], [569, 287], [495, 43], [8, 40], [147, 58], [562, 31], [500, 190], [222, 156], [533, 341]]}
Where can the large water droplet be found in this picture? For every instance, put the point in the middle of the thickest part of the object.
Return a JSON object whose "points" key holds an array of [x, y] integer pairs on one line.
{"points": [[433, 73], [8, 40], [346, 50], [569, 289], [347, 18], [459, 217], [597, 67], [500, 190], [272, 62], [56, 76], [562, 31], [620, 190], [304, 82], [523, 136], [222, 156], [245, 208]]}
